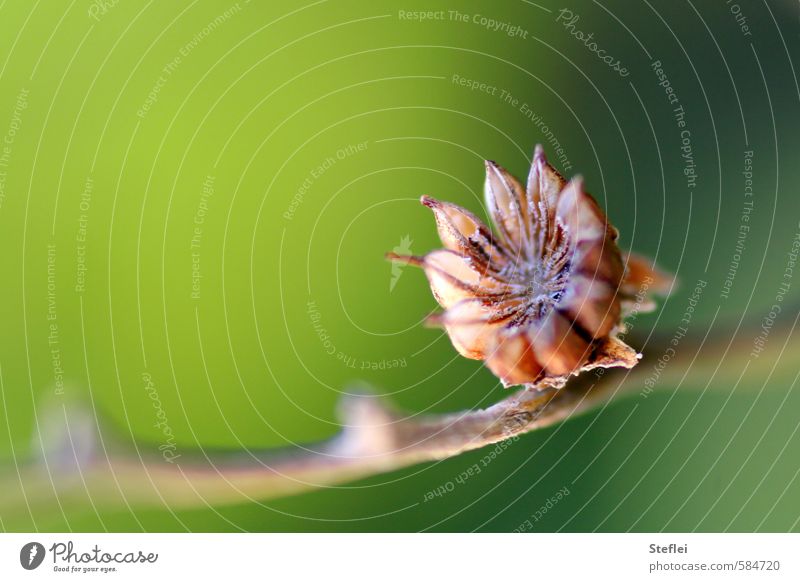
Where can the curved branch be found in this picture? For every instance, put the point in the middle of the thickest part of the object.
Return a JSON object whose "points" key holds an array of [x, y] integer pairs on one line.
{"points": [[375, 439]]}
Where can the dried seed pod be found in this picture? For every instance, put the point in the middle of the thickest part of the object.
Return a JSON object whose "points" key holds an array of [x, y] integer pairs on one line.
{"points": [[544, 298]]}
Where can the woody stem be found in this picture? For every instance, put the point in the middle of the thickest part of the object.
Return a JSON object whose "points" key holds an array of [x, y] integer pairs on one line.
{"points": [[375, 439]]}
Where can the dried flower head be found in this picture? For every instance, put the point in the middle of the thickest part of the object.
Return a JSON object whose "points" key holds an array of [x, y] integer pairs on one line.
{"points": [[544, 297]]}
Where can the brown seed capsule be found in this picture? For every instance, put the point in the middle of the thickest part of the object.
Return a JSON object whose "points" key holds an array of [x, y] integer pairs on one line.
{"points": [[543, 298]]}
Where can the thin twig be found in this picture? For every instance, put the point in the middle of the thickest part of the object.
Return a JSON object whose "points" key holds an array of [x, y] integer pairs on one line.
{"points": [[375, 439]]}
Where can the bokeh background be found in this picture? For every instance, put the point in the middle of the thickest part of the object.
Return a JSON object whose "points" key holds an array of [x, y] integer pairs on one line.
{"points": [[196, 198]]}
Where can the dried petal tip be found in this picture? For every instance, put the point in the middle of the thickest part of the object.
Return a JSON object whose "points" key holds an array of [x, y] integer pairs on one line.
{"points": [[543, 299], [642, 275], [426, 200]]}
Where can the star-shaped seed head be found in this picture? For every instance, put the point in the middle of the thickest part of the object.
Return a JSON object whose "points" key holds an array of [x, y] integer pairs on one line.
{"points": [[543, 296]]}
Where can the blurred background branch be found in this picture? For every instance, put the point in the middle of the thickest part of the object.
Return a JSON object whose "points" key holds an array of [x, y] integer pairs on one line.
{"points": [[76, 463]]}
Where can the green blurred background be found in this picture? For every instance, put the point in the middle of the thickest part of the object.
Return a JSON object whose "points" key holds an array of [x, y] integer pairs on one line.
{"points": [[201, 193]]}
